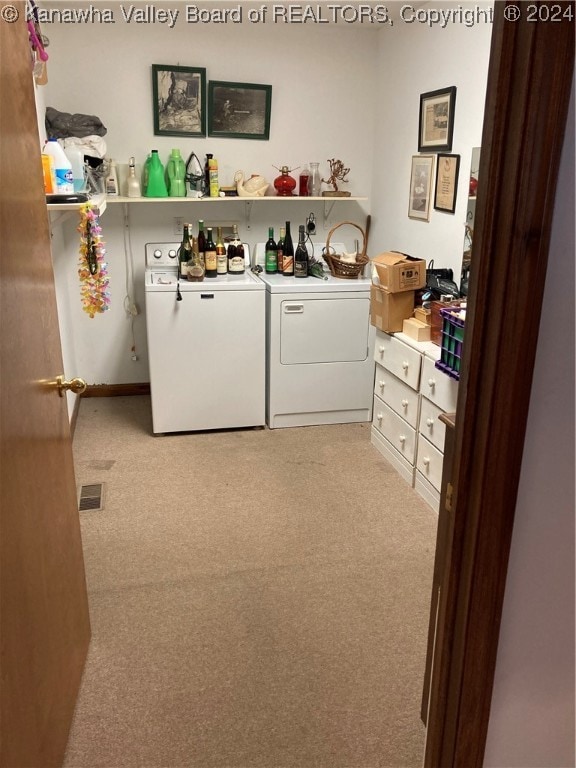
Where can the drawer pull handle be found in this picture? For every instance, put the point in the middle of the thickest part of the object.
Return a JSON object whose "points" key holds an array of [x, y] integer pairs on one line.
{"points": [[404, 403], [382, 350], [432, 383], [379, 417], [405, 365], [382, 384], [430, 422], [402, 438], [426, 461]]}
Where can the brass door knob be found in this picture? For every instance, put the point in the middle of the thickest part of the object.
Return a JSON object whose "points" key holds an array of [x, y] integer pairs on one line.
{"points": [[77, 385]]}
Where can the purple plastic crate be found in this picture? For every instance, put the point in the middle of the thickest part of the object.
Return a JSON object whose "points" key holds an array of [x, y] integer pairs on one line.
{"points": [[452, 340]]}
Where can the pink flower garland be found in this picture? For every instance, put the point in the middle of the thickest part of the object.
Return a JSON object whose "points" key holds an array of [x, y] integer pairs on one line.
{"points": [[92, 269]]}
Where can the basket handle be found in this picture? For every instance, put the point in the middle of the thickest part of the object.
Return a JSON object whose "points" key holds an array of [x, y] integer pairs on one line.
{"points": [[352, 224]]}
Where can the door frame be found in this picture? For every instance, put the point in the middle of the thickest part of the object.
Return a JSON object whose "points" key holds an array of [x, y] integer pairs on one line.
{"points": [[529, 85]]}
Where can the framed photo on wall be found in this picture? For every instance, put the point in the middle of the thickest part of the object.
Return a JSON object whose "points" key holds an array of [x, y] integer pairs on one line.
{"points": [[447, 167], [421, 187], [436, 123], [239, 110], [179, 95]]}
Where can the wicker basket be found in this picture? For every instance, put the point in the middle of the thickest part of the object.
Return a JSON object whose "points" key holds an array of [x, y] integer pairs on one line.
{"points": [[345, 269]]}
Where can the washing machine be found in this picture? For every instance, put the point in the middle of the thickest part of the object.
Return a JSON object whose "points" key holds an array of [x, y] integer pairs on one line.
{"points": [[319, 363], [206, 346]]}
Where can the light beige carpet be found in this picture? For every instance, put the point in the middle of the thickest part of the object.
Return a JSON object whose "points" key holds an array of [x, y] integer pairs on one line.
{"points": [[259, 598]]}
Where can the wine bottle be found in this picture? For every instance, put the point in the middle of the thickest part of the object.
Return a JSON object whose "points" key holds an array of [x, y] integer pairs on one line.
{"points": [[210, 259], [288, 254], [196, 269], [221, 256], [280, 251], [184, 253], [201, 240], [271, 253], [301, 255], [236, 265]]}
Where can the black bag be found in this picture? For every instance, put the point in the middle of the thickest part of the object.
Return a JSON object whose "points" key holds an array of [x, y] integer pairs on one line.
{"points": [[445, 274]]}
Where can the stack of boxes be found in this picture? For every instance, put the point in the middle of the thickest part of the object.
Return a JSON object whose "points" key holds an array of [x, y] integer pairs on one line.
{"points": [[396, 277]]}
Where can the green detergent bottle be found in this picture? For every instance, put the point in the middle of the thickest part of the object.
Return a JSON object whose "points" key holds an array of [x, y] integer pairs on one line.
{"points": [[176, 175], [156, 186]]}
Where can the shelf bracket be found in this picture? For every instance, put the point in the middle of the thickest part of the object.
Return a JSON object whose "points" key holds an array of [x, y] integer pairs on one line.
{"points": [[327, 211], [248, 212]]}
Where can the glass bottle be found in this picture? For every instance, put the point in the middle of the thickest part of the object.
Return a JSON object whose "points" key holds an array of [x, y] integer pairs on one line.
{"points": [[271, 265], [236, 264], [201, 239], [315, 181], [184, 253], [207, 174], [301, 255], [280, 251], [288, 254], [196, 268], [221, 256], [210, 260], [304, 182]]}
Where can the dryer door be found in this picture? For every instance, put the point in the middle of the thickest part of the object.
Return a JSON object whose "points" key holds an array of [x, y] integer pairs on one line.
{"points": [[324, 330]]}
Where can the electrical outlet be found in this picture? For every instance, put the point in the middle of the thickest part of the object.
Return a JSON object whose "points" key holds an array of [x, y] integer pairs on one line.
{"points": [[178, 225]]}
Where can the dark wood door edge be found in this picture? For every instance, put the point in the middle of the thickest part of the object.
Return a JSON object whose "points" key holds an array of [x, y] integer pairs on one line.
{"points": [[116, 390], [529, 83]]}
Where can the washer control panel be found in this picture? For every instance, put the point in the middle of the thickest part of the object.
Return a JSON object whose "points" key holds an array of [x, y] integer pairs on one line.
{"points": [[162, 255]]}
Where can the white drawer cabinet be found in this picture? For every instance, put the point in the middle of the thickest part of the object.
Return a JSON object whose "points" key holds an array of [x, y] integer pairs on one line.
{"points": [[437, 387], [429, 462], [398, 433], [409, 395], [398, 358], [404, 400], [429, 424]]}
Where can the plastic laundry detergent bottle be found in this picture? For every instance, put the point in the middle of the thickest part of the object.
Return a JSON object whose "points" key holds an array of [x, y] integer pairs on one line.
{"points": [[176, 173], [76, 157], [156, 186], [62, 168]]}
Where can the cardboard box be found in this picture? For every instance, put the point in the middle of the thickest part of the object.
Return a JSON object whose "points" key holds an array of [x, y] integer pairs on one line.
{"points": [[416, 330], [424, 315], [389, 310], [399, 272]]}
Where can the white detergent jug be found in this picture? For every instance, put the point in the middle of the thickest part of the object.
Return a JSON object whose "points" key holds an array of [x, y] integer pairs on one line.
{"points": [[76, 157], [62, 168]]}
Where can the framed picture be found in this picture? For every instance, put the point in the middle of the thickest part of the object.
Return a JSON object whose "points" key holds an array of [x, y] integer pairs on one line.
{"points": [[239, 110], [436, 124], [447, 167], [179, 100], [421, 187]]}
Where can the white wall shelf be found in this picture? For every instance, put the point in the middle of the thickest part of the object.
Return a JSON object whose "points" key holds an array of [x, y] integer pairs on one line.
{"points": [[59, 212], [248, 202]]}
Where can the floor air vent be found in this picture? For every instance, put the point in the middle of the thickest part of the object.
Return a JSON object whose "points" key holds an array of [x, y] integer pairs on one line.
{"points": [[91, 497]]}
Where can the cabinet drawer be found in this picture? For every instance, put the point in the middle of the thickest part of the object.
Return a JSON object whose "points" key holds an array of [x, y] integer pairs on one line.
{"points": [[398, 358], [395, 430], [438, 387], [429, 425], [399, 396], [429, 462]]}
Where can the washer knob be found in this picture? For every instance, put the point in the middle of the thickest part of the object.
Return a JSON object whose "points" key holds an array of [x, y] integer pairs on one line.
{"points": [[172, 253], [157, 253]]}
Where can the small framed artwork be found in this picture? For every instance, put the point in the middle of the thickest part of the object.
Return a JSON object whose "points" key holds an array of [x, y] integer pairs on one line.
{"points": [[179, 95], [421, 187], [436, 124], [447, 167], [239, 110]]}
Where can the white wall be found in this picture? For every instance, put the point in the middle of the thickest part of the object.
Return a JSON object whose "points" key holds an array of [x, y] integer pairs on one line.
{"points": [[532, 716], [322, 84], [414, 59], [336, 89]]}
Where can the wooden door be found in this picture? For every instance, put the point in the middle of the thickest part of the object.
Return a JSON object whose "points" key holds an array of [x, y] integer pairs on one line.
{"points": [[44, 622]]}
